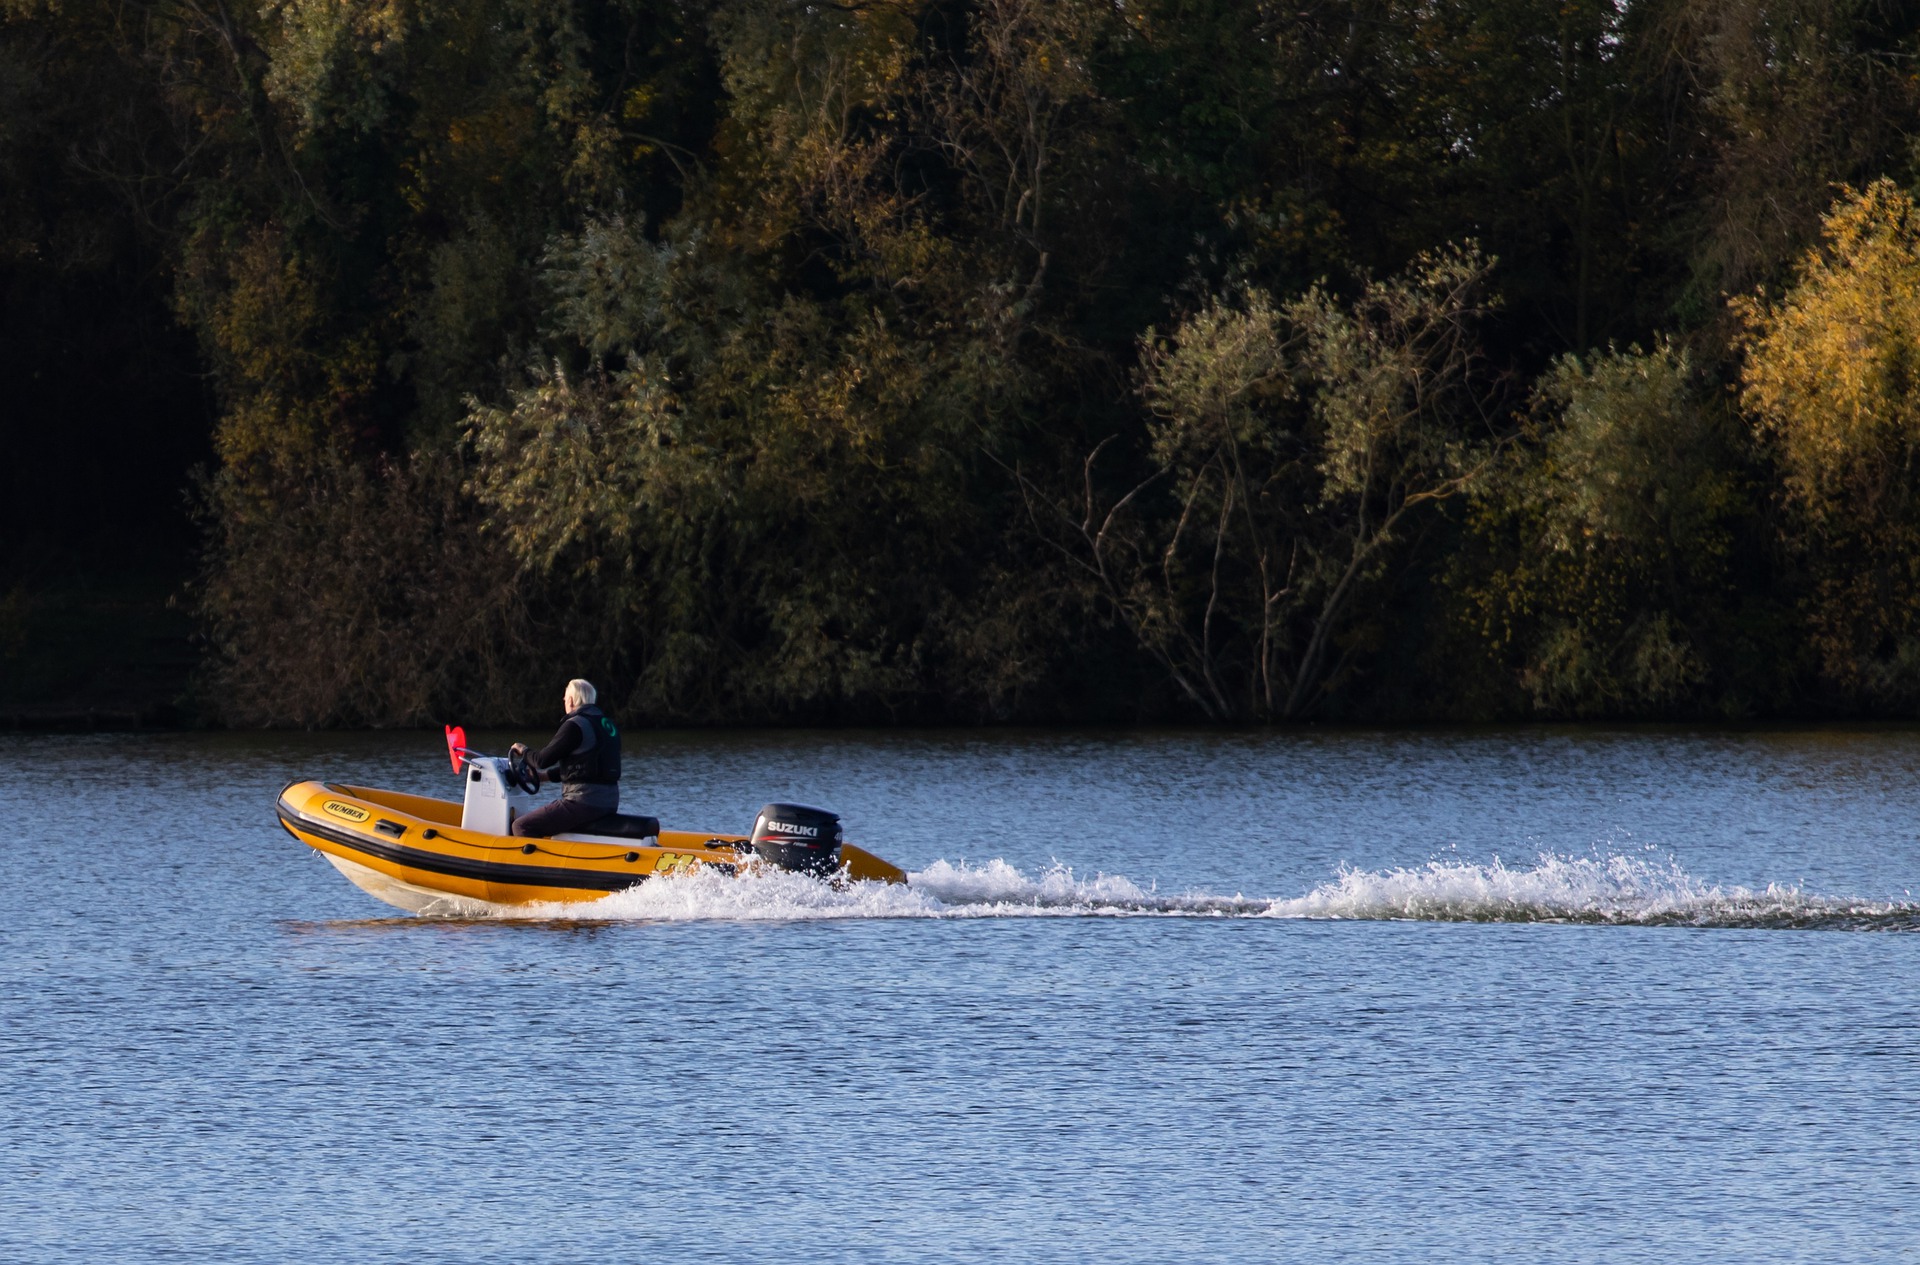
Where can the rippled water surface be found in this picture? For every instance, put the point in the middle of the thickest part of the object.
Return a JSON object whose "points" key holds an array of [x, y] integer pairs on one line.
{"points": [[1484, 995]]}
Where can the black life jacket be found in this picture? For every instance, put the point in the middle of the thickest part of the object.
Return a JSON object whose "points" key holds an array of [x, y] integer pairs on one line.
{"points": [[597, 759]]}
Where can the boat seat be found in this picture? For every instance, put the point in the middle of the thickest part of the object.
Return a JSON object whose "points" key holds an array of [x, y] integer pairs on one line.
{"points": [[621, 826]]}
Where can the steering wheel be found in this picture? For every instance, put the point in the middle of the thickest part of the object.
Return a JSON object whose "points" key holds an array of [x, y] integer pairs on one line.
{"points": [[520, 774]]}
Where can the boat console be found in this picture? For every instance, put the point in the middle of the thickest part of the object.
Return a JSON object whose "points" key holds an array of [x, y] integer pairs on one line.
{"points": [[492, 801]]}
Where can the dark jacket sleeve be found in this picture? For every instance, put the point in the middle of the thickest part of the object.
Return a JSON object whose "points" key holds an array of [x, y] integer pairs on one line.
{"points": [[564, 744]]}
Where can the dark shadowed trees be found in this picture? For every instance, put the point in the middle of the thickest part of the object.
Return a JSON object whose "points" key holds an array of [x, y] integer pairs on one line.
{"points": [[978, 358]]}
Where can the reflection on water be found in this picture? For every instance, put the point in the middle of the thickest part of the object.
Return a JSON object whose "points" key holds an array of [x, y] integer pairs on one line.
{"points": [[1150, 996]]}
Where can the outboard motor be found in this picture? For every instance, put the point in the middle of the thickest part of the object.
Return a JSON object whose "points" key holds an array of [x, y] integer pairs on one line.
{"points": [[795, 837]]}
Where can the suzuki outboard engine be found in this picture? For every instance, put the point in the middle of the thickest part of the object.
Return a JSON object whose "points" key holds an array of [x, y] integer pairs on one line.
{"points": [[795, 837]]}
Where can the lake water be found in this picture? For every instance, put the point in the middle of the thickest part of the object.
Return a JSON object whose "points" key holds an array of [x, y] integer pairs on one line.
{"points": [[1518, 995]]}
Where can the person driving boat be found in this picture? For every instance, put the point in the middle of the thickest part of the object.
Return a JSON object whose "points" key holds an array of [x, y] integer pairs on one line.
{"points": [[584, 757]]}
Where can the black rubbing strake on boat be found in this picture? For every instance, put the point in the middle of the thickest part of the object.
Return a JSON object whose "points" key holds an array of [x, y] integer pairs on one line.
{"points": [[463, 867]]}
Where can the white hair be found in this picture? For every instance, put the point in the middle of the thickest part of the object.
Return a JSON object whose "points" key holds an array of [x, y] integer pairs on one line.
{"points": [[580, 693]]}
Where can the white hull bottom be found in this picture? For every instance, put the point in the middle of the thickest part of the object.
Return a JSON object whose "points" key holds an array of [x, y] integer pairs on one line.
{"points": [[407, 896]]}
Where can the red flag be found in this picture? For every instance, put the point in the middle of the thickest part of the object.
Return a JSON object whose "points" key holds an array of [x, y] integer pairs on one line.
{"points": [[456, 745]]}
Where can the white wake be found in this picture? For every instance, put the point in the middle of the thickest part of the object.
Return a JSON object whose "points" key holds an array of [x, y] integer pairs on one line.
{"points": [[1597, 889], [1554, 888]]}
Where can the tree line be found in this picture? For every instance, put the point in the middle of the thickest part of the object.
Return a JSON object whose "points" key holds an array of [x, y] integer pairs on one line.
{"points": [[963, 360]]}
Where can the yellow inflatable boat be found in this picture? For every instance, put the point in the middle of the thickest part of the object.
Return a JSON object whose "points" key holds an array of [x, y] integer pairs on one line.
{"points": [[435, 856]]}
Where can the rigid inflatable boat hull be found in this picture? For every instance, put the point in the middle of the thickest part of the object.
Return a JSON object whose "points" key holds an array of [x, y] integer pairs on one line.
{"points": [[407, 896], [411, 852]]}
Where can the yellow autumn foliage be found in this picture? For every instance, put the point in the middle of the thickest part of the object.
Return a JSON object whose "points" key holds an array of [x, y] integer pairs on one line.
{"points": [[1833, 368], [1832, 381]]}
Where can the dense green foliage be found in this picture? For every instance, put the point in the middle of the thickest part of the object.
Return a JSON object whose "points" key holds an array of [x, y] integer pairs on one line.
{"points": [[988, 359]]}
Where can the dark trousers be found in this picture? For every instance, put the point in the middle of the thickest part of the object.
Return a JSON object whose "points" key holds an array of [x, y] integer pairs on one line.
{"points": [[557, 818]]}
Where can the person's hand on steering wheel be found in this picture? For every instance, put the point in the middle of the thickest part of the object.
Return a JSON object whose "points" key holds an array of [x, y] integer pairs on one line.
{"points": [[520, 770]]}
